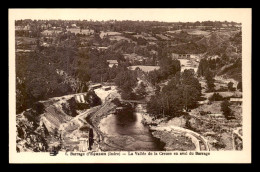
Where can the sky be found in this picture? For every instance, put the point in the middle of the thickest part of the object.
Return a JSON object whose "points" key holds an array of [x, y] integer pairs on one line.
{"points": [[145, 14]]}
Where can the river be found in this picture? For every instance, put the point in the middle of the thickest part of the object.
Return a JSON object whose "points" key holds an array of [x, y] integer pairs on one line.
{"points": [[127, 132]]}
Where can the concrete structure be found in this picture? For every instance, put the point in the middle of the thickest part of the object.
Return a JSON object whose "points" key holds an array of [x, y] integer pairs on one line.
{"points": [[95, 86]]}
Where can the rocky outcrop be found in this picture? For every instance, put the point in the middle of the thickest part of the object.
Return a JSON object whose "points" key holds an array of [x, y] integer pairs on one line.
{"points": [[174, 142], [30, 136], [39, 126]]}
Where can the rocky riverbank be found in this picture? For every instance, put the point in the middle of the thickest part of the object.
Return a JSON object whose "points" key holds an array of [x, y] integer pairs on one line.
{"points": [[174, 141]]}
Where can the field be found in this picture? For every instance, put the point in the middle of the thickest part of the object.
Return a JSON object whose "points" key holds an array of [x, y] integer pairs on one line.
{"points": [[190, 31], [118, 38], [149, 38], [174, 31], [162, 37], [197, 32], [49, 32], [102, 34], [145, 68], [25, 40]]}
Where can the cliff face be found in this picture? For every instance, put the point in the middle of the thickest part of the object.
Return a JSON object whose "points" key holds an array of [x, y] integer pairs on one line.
{"points": [[38, 127]]}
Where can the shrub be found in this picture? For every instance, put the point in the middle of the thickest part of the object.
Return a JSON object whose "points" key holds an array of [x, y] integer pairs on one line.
{"points": [[230, 86], [239, 86], [116, 101], [226, 110], [92, 99], [216, 97]]}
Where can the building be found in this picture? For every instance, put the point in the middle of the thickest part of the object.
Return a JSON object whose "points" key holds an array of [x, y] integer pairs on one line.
{"points": [[83, 144], [151, 43], [216, 115], [224, 25], [203, 102], [129, 33], [236, 100], [23, 28], [80, 98], [44, 26], [73, 25], [112, 63], [95, 86], [180, 56], [102, 48]]}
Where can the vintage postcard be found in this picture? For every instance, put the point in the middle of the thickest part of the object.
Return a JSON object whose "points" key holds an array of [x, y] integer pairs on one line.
{"points": [[130, 85]]}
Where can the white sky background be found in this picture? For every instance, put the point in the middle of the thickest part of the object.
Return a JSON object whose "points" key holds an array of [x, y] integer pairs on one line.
{"points": [[156, 14]]}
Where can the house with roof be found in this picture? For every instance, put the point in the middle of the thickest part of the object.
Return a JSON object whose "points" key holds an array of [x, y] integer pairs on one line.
{"points": [[112, 63], [102, 48], [73, 25]]}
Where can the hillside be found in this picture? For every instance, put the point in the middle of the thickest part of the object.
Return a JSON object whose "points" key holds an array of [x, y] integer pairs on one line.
{"points": [[223, 56], [38, 128]]}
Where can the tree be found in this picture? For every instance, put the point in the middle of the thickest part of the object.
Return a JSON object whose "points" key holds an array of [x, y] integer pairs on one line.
{"points": [[239, 86], [230, 86], [181, 92], [226, 110], [216, 97], [126, 81], [192, 89], [157, 89], [140, 91], [210, 81], [190, 97]]}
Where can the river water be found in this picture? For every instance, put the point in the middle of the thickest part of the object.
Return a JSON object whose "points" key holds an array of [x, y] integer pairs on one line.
{"points": [[128, 133]]}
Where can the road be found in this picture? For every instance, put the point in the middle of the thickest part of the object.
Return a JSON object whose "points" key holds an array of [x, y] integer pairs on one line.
{"points": [[195, 137]]}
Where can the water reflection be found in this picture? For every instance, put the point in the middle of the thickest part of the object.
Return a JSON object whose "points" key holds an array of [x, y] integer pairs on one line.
{"points": [[129, 125]]}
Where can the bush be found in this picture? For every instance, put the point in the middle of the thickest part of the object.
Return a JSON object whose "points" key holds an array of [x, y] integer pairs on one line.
{"points": [[226, 110], [70, 107], [116, 101], [203, 113], [92, 99], [82, 106], [216, 97], [222, 89], [219, 145], [239, 86], [230, 86]]}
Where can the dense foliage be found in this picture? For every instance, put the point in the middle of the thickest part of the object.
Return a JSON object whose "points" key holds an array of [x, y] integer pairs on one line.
{"points": [[126, 81], [210, 81], [168, 68], [216, 97], [182, 92], [56, 71]]}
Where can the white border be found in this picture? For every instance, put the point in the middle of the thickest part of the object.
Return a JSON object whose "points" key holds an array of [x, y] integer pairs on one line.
{"points": [[215, 157]]}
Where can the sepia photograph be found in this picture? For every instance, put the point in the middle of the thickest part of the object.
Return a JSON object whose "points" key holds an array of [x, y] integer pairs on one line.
{"points": [[128, 83]]}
